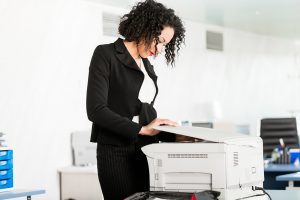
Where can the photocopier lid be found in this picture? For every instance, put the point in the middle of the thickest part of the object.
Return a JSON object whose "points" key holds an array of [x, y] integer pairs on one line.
{"points": [[212, 135]]}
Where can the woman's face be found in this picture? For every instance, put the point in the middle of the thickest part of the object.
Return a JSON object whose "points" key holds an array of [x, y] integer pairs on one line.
{"points": [[163, 39]]}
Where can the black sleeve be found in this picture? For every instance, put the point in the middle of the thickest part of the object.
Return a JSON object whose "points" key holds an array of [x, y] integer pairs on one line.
{"points": [[96, 101]]}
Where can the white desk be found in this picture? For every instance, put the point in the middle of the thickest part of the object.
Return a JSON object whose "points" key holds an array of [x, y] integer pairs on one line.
{"points": [[79, 183], [20, 193], [290, 178], [284, 194]]}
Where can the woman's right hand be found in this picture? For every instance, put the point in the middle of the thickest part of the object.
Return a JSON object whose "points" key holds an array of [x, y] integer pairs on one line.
{"points": [[149, 129]]}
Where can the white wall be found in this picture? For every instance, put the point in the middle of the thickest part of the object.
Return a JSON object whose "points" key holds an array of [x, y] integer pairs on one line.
{"points": [[45, 52], [256, 76], [46, 47]]}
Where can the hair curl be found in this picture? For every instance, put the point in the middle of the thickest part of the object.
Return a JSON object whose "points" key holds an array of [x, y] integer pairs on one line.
{"points": [[146, 20]]}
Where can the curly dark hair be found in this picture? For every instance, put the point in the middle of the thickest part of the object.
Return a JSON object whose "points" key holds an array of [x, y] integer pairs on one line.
{"points": [[145, 22]]}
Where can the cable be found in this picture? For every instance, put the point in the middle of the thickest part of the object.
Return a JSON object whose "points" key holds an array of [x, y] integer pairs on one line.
{"points": [[262, 189], [256, 188]]}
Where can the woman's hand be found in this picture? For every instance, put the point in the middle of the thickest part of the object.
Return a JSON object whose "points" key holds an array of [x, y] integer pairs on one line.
{"points": [[149, 129]]}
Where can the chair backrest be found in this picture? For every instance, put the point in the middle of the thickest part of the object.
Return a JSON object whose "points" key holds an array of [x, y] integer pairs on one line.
{"points": [[272, 129], [84, 152]]}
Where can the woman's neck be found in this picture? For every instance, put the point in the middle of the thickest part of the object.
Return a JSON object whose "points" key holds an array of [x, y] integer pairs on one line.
{"points": [[132, 49]]}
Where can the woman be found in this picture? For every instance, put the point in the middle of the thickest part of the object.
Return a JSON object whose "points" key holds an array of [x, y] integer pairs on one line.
{"points": [[123, 116]]}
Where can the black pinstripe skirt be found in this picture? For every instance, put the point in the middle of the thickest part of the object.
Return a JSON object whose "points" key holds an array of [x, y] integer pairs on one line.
{"points": [[122, 170]]}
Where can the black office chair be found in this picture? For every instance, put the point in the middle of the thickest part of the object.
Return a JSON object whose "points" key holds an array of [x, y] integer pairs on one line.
{"points": [[272, 129]]}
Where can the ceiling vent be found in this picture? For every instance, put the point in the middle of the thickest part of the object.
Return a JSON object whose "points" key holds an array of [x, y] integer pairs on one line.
{"points": [[110, 24], [214, 41]]}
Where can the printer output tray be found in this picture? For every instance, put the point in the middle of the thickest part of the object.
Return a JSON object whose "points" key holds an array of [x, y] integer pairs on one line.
{"points": [[205, 195]]}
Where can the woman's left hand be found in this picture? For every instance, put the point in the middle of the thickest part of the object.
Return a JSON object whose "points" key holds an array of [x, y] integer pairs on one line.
{"points": [[149, 129]]}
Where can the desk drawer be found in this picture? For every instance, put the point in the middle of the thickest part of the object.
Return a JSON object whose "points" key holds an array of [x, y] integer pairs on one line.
{"points": [[6, 154], [6, 164], [6, 183], [6, 174]]}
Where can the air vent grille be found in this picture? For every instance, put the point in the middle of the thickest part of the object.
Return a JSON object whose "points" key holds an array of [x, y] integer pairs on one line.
{"points": [[187, 156], [235, 158], [110, 24], [159, 163], [214, 40]]}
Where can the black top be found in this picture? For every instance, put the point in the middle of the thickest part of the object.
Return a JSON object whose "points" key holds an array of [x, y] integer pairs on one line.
{"points": [[112, 94]]}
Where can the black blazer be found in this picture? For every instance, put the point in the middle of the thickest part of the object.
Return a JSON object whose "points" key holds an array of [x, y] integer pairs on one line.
{"points": [[112, 96]]}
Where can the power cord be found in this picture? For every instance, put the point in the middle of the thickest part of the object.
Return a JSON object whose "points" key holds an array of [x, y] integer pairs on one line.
{"points": [[262, 189], [256, 195]]}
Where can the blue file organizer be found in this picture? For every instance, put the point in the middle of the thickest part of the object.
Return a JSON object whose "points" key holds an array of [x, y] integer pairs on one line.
{"points": [[6, 169]]}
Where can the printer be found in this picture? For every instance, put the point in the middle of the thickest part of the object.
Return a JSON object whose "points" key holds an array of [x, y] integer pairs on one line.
{"points": [[230, 163]]}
